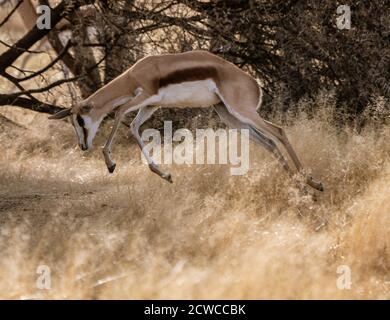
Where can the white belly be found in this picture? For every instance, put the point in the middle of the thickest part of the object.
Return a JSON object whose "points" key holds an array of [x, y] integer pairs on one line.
{"points": [[195, 94]]}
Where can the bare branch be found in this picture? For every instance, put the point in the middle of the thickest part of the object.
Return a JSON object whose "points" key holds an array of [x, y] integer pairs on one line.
{"points": [[34, 105], [8, 57], [52, 63], [11, 13], [53, 84]]}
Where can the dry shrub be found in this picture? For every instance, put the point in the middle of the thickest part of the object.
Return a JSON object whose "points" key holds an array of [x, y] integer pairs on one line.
{"points": [[208, 235]]}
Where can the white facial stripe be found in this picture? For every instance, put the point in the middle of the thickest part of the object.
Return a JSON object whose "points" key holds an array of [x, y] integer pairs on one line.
{"points": [[92, 128]]}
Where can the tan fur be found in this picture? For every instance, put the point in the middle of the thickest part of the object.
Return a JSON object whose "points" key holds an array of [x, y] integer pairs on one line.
{"points": [[190, 79]]}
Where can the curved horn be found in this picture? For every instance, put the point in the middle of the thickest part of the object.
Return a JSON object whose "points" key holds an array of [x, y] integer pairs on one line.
{"points": [[61, 114]]}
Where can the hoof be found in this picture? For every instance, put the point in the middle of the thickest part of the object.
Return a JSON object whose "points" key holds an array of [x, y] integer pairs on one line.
{"points": [[167, 177], [111, 168], [315, 185]]}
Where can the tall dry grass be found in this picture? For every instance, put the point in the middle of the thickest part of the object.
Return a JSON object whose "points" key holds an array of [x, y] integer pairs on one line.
{"points": [[208, 235]]}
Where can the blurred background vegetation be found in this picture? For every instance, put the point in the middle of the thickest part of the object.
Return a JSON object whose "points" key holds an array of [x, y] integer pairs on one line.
{"points": [[209, 234], [293, 47]]}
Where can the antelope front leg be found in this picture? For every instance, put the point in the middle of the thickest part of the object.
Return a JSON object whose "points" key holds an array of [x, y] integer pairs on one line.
{"points": [[132, 105], [107, 147], [143, 115]]}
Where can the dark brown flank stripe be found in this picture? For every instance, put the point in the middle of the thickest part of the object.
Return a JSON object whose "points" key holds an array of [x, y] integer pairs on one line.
{"points": [[189, 74]]}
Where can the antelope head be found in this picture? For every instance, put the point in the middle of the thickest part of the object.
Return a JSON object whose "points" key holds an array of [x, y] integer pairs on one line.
{"points": [[85, 123]]}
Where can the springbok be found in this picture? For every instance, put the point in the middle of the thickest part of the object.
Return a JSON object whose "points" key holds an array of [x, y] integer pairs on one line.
{"points": [[192, 79]]}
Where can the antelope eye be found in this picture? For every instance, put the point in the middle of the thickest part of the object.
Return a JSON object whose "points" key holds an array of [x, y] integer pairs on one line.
{"points": [[80, 121]]}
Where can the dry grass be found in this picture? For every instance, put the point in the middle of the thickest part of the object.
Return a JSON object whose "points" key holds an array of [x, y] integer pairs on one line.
{"points": [[209, 235]]}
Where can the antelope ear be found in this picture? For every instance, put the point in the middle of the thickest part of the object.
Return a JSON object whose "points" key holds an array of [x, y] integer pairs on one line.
{"points": [[85, 109], [61, 114]]}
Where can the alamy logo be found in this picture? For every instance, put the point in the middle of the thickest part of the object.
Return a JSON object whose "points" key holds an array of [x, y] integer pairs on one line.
{"points": [[44, 280], [343, 21], [182, 147], [44, 20], [344, 281]]}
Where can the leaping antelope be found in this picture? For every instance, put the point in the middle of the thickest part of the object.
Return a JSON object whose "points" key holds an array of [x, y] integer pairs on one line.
{"points": [[191, 79]]}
